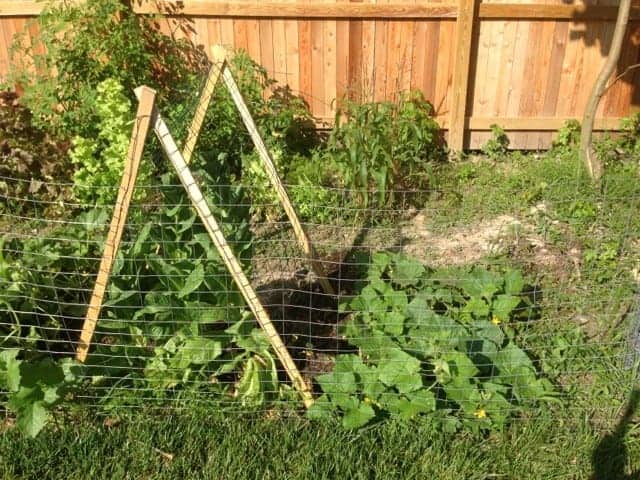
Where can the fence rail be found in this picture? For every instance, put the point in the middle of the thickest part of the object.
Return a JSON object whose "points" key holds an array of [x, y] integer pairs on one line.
{"points": [[527, 67]]}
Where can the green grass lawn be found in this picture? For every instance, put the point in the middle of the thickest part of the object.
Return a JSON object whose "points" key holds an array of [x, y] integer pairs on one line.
{"points": [[204, 445]]}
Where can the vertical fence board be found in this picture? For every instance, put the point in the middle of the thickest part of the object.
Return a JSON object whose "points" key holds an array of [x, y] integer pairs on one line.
{"points": [[521, 68], [464, 31]]}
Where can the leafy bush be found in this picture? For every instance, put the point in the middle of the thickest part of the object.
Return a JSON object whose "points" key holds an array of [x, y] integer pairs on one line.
{"points": [[630, 135], [78, 45], [384, 146], [498, 145], [623, 149], [171, 322], [33, 164], [434, 342], [100, 160]]}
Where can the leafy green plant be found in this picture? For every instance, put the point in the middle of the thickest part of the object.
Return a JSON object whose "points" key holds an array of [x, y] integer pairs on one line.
{"points": [[601, 262], [568, 137], [35, 387], [283, 118], [100, 160], [383, 146], [623, 149], [630, 135], [498, 145], [172, 323], [77, 46], [434, 342], [33, 163]]}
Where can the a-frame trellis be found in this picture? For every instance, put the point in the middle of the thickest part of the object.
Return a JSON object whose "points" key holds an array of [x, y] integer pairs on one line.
{"points": [[147, 116], [220, 70]]}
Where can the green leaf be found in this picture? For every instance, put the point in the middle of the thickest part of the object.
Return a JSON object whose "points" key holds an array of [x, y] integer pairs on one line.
{"points": [[200, 351], [513, 282], [489, 331], [393, 323], [503, 305], [400, 370], [340, 380], [406, 271], [419, 311], [477, 307], [358, 417], [41, 372], [481, 283], [415, 403], [193, 281], [10, 369], [460, 365], [374, 344], [32, 418], [322, 409]]}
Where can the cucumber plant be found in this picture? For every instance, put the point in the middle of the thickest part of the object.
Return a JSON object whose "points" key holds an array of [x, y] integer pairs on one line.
{"points": [[440, 342]]}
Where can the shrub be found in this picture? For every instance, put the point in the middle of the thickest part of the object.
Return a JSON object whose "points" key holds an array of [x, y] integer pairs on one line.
{"points": [[383, 146], [568, 138], [34, 163], [79, 45]]}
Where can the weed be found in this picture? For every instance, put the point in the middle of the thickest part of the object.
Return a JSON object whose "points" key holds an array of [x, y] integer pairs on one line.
{"points": [[498, 145]]}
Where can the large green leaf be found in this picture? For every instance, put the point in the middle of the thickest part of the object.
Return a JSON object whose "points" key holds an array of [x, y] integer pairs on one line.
{"points": [[200, 351], [393, 323], [32, 418], [489, 331], [193, 281], [358, 416], [341, 381], [513, 282], [10, 369], [422, 401], [503, 306], [476, 307], [406, 271], [401, 370], [481, 283]]}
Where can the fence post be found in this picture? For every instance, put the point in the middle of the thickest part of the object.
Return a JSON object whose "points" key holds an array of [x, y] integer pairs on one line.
{"points": [[467, 14]]}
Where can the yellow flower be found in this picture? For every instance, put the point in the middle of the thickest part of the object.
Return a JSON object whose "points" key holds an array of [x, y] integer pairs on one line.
{"points": [[480, 413], [495, 320]]}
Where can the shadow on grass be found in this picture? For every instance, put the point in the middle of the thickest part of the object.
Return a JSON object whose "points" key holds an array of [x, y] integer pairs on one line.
{"points": [[610, 457]]}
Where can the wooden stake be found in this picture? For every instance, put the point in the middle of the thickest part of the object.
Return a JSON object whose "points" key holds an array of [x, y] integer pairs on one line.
{"points": [[200, 113], [146, 98], [230, 260], [220, 67]]}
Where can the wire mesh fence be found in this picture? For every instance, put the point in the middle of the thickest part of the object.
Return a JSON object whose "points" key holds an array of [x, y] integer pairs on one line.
{"points": [[486, 297], [483, 320]]}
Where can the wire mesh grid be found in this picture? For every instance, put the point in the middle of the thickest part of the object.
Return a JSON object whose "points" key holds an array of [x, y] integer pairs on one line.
{"points": [[485, 320], [480, 317]]}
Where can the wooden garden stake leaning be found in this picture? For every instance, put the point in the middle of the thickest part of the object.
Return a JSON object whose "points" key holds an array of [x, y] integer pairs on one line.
{"points": [[220, 68], [230, 260], [146, 98]]}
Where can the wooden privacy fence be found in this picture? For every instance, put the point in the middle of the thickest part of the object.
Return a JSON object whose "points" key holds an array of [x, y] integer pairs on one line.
{"points": [[525, 66]]}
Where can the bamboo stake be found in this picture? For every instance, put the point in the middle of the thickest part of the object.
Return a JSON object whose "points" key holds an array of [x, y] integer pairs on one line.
{"points": [[220, 67], [146, 99], [230, 260]]}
